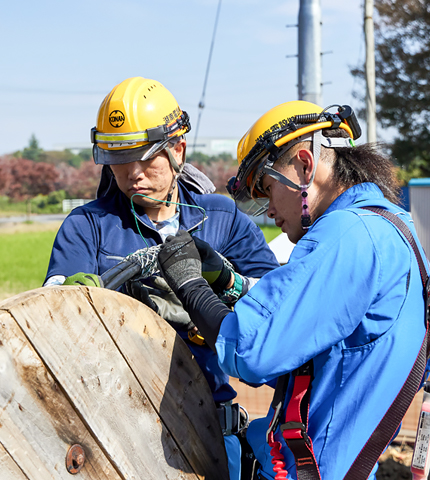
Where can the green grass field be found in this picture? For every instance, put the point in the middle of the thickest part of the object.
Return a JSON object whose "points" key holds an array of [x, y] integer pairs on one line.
{"points": [[270, 232], [24, 258]]}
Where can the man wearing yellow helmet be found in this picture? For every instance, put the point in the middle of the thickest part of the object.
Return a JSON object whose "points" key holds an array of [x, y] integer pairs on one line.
{"points": [[340, 327], [146, 193]]}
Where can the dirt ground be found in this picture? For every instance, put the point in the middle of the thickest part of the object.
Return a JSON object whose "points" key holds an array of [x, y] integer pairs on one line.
{"points": [[395, 463], [23, 227]]}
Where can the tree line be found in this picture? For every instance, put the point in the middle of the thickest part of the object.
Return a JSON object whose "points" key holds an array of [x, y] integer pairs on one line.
{"points": [[52, 176], [31, 172]]}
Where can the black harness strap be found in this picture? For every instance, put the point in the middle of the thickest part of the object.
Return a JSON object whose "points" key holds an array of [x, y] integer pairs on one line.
{"points": [[384, 432]]}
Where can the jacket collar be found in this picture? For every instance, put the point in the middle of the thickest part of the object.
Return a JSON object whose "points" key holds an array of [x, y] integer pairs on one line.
{"points": [[356, 194], [189, 215]]}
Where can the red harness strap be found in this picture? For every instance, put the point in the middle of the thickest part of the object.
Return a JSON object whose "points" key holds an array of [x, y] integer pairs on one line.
{"points": [[294, 429]]}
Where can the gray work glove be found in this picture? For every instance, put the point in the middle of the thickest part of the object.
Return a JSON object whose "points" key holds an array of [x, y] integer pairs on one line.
{"points": [[159, 297], [179, 260]]}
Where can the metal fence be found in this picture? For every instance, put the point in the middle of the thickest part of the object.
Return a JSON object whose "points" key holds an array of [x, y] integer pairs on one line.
{"points": [[71, 203]]}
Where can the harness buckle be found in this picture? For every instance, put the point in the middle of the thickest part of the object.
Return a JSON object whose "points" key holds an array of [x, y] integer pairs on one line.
{"points": [[230, 417], [294, 431]]}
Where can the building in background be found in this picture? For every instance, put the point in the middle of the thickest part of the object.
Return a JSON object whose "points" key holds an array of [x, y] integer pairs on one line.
{"points": [[419, 199], [213, 146]]}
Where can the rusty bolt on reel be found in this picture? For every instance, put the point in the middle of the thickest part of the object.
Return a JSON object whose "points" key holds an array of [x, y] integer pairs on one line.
{"points": [[75, 459]]}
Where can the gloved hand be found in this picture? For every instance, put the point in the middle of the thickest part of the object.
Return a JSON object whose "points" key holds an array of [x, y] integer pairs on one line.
{"points": [[87, 279], [179, 260], [136, 289], [159, 297], [214, 271]]}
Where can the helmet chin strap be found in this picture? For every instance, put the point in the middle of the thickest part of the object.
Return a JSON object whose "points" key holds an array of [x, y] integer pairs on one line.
{"points": [[317, 140], [172, 189], [178, 170]]}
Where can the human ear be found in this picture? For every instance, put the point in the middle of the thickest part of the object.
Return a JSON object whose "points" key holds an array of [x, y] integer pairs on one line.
{"points": [[178, 151], [306, 158]]}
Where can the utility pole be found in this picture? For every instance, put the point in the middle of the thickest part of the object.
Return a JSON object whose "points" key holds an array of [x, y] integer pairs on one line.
{"points": [[310, 51], [370, 71]]}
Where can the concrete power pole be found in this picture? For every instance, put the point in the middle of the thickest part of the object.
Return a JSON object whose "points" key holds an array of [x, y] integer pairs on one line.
{"points": [[370, 71], [310, 51]]}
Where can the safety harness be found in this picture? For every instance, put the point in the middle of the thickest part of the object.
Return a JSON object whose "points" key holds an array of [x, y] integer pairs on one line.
{"points": [[295, 426]]}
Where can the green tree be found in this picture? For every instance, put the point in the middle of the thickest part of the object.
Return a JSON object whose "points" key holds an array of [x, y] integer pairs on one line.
{"points": [[55, 157], [56, 197], [33, 151], [402, 62], [198, 158], [86, 154]]}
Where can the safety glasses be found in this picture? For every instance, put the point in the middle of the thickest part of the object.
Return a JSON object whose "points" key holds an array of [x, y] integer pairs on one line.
{"points": [[128, 155], [245, 203]]}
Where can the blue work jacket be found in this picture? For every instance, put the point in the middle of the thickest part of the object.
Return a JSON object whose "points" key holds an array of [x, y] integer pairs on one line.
{"points": [[351, 299], [106, 228]]}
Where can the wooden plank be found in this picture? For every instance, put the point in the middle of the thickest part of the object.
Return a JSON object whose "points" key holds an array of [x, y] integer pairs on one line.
{"points": [[8, 468], [37, 423], [79, 352], [171, 378]]}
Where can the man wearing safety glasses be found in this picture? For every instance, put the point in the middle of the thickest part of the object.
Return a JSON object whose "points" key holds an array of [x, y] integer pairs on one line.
{"points": [[147, 192]]}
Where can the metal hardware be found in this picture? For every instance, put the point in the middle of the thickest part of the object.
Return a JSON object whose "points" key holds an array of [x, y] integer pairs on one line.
{"points": [[75, 459]]}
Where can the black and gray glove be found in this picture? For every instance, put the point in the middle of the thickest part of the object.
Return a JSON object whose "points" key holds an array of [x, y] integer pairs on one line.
{"points": [[136, 289], [179, 260], [160, 297]]}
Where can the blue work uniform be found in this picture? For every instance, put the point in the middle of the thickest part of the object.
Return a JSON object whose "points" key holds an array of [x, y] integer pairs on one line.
{"points": [[107, 227], [351, 299]]}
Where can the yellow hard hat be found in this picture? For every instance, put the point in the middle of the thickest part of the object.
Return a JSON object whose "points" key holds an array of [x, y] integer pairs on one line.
{"points": [[138, 118], [273, 134], [275, 121]]}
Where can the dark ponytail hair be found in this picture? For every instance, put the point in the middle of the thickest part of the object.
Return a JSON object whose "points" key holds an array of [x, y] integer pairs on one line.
{"points": [[361, 164]]}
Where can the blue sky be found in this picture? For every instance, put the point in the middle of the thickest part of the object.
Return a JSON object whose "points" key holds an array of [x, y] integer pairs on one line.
{"points": [[59, 60]]}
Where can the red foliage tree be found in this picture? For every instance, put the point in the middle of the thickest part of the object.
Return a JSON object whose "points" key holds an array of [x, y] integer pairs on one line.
{"points": [[5, 175], [219, 172], [84, 181], [21, 179]]}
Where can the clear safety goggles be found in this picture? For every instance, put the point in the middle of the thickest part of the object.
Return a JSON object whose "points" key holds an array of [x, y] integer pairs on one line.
{"points": [[127, 155], [245, 203]]}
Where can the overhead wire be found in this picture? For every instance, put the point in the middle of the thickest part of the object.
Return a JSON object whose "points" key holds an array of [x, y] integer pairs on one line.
{"points": [[202, 100]]}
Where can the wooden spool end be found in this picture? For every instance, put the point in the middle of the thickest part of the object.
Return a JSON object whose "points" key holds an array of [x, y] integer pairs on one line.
{"points": [[95, 384]]}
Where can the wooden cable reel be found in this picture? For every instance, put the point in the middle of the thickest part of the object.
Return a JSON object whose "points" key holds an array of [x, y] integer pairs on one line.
{"points": [[94, 384]]}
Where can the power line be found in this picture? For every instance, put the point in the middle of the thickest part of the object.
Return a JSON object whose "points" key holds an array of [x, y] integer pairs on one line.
{"points": [[202, 100]]}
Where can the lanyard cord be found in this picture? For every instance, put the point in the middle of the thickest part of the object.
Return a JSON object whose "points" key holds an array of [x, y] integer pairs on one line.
{"points": [[136, 217]]}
